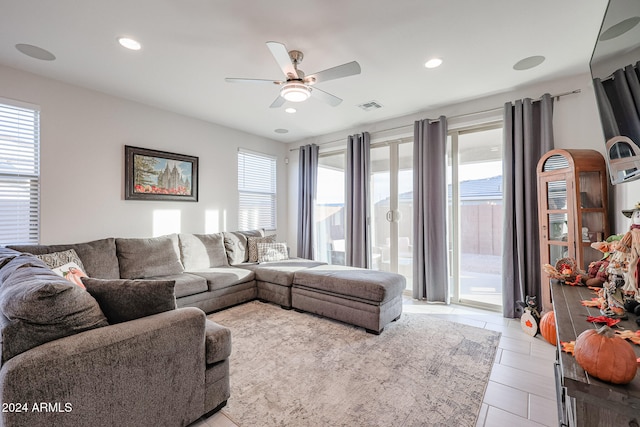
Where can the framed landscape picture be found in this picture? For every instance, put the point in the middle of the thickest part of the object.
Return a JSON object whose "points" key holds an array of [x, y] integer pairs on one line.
{"points": [[159, 175]]}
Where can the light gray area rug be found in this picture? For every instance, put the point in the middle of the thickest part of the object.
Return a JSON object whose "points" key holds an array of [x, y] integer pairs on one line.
{"points": [[297, 369]]}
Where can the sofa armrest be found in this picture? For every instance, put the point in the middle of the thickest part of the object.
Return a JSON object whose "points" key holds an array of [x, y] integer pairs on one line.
{"points": [[145, 372], [218, 342]]}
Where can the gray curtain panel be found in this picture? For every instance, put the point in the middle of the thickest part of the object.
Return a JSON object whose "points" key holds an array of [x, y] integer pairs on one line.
{"points": [[528, 134], [358, 233], [307, 186], [430, 268], [619, 103]]}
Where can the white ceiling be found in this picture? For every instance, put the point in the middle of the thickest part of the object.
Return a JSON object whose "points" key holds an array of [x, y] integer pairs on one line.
{"points": [[190, 46]]}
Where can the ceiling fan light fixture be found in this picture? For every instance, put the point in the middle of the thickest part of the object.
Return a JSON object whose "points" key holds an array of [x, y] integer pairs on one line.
{"points": [[295, 92]]}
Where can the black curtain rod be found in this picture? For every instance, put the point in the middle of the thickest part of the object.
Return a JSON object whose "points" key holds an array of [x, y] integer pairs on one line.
{"points": [[452, 117]]}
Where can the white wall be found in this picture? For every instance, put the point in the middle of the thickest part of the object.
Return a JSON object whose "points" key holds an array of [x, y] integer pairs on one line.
{"points": [[83, 134], [576, 124]]}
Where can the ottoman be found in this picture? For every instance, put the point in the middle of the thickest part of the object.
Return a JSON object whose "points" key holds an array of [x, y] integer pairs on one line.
{"points": [[366, 298], [274, 279]]}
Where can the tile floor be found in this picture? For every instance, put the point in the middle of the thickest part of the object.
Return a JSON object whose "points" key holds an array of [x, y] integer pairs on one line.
{"points": [[521, 390]]}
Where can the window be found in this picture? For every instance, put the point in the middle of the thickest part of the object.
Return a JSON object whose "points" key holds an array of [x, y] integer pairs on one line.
{"points": [[256, 190], [19, 174]]}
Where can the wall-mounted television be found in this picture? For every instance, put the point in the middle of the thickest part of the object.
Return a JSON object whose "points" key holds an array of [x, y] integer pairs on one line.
{"points": [[615, 68]]}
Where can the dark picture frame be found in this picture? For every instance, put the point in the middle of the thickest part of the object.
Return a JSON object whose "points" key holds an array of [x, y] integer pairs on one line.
{"points": [[160, 175]]}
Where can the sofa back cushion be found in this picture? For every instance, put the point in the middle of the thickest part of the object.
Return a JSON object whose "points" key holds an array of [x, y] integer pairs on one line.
{"points": [[39, 306], [98, 256], [153, 257], [201, 251], [235, 243]]}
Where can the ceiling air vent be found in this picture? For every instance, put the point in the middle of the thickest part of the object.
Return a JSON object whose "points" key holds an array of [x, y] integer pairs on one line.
{"points": [[371, 105]]}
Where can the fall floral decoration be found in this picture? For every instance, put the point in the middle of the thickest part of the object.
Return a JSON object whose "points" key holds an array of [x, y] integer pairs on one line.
{"points": [[566, 271], [606, 356]]}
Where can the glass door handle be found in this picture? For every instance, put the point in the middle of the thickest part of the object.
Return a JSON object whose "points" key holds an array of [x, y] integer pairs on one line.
{"points": [[393, 216]]}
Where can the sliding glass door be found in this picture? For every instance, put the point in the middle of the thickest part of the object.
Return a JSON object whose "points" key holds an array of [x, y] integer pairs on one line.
{"points": [[391, 207], [475, 220], [329, 208]]}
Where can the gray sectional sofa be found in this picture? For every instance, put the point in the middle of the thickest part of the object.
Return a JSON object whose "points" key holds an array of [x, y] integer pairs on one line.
{"points": [[171, 361], [67, 359]]}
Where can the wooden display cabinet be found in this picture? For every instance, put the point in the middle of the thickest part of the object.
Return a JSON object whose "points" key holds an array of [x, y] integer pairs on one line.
{"points": [[572, 209]]}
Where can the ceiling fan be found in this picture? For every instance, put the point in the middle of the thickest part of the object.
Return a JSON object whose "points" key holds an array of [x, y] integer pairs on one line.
{"points": [[298, 87]]}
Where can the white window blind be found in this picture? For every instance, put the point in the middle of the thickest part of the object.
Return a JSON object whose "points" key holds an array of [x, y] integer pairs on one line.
{"points": [[19, 174], [257, 191]]}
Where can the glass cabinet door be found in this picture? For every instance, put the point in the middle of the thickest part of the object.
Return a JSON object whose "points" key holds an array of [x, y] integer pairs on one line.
{"points": [[557, 195], [557, 252], [557, 226]]}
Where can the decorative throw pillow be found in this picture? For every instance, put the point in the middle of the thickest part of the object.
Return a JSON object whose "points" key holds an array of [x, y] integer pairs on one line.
{"points": [[235, 244], [58, 259], [66, 264], [122, 300], [272, 252], [72, 272], [252, 243]]}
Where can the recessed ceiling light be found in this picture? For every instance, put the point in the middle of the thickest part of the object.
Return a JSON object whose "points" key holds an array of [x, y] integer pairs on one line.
{"points": [[433, 63], [281, 131], [528, 63], [290, 110], [35, 52], [129, 43], [619, 29]]}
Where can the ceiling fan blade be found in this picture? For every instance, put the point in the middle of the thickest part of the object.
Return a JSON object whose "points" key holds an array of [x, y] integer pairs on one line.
{"points": [[344, 70], [234, 80], [326, 97], [280, 53], [279, 101]]}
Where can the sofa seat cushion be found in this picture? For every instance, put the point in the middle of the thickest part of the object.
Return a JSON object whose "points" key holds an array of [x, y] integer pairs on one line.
{"points": [[122, 300], [370, 285], [281, 272], [146, 258], [186, 284], [39, 306], [223, 277], [218, 342], [98, 256], [202, 251]]}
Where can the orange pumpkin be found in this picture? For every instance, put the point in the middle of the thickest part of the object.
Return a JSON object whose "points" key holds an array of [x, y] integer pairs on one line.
{"points": [[548, 327], [604, 355]]}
